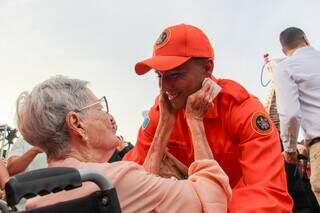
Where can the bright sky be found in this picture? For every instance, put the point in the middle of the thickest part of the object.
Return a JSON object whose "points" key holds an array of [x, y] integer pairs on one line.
{"points": [[100, 41]]}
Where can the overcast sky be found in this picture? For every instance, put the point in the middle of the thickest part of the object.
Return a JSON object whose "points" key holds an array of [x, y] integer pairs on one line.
{"points": [[100, 41]]}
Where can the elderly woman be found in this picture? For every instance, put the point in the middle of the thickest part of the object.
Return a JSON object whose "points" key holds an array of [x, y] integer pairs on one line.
{"points": [[72, 126]]}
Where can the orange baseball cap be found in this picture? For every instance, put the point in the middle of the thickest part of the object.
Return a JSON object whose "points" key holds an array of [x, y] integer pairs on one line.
{"points": [[176, 45]]}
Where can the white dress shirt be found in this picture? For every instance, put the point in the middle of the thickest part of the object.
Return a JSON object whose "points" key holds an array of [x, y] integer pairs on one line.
{"points": [[297, 82]]}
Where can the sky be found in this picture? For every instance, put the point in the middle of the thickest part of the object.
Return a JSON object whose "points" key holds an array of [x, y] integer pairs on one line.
{"points": [[101, 40]]}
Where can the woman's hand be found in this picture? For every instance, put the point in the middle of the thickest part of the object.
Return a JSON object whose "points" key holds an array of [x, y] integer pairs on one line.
{"points": [[167, 113], [162, 135], [199, 102]]}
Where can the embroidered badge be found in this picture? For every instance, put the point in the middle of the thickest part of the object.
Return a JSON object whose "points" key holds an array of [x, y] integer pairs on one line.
{"points": [[261, 123], [163, 39], [146, 122]]}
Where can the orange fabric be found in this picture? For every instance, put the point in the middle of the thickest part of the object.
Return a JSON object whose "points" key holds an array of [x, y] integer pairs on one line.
{"points": [[252, 160], [176, 45]]}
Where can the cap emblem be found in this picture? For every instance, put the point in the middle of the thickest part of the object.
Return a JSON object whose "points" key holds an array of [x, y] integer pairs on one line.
{"points": [[163, 39]]}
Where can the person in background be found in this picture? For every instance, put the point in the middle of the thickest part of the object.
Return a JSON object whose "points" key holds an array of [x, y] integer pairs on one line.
{"points": [[237, 127], [4, 177], [297, 80], [24, 157]]}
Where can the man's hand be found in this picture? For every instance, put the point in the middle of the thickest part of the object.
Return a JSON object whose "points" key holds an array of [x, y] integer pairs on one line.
{"points": [[290, 157], [302, 150]]}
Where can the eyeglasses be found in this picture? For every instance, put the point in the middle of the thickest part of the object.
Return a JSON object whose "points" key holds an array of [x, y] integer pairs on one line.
{"points": [[102, 101]]}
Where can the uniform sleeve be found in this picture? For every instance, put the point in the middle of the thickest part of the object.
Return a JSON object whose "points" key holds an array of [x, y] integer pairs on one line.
{"points": [[263, 186], [288, 107], [145, 137], [206, 190]]}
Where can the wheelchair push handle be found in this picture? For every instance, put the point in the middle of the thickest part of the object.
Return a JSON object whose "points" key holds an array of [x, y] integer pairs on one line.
{"points": [[41, 182]]}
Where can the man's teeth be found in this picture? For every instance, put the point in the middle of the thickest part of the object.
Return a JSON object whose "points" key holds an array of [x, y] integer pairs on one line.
{"points": [[171, 96]]}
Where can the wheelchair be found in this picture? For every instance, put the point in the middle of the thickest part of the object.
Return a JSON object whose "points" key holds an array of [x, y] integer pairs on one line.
{"points": [[52, 180]]}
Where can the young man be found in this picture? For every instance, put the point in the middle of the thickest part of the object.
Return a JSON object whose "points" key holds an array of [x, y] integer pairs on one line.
{"points": [[297, 80], [239, 132]]}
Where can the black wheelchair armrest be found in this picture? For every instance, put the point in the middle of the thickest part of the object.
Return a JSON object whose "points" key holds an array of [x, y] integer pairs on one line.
{"points": [[41, 182]]}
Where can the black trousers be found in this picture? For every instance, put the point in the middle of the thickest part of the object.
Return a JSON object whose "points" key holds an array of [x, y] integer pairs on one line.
{"points": [[300, 190]]}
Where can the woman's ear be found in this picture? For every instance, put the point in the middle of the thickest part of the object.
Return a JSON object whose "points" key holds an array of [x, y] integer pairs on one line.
{"points": [[75, 125]]}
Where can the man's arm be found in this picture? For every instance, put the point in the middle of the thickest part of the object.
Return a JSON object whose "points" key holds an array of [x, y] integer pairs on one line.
{"points": [[288, 107], [263, 185], [18, 164]]}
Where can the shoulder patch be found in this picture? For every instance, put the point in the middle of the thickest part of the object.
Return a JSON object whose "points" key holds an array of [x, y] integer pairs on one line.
{"points": [[146, 122], [261, 124]]}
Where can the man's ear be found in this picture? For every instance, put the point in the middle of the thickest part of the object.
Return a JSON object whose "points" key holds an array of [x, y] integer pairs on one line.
{"points": [[209, 65], [75, 125], [284, 50], [306, 40]]}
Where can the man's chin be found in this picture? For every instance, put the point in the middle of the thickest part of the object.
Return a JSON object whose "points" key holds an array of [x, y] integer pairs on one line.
{"points": [[177, 106]]}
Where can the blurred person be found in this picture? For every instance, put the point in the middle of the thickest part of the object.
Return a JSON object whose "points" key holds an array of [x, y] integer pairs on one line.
{"points": [[297, 80], [24, 157], [4, 176], [73, 127]]}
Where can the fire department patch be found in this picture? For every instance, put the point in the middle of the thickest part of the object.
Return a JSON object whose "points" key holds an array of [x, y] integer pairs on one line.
{"points": [[261, 123], [163, 39]]}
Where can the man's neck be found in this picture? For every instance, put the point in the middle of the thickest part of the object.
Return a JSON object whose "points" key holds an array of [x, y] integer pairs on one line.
{"points": [[292, 51]]}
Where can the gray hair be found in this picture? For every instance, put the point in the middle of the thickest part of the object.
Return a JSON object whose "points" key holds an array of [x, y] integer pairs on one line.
{"points": [[41, 114]]}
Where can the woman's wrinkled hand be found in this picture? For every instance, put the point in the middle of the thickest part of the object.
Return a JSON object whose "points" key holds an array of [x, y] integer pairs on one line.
{"points": [[167, 113], [199, 102]]}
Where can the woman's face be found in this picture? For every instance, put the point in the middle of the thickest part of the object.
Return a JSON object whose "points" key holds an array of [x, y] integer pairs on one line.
{"points": [[100, 127]]}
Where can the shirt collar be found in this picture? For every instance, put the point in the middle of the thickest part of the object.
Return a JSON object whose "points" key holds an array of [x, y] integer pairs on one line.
{"points": [[301, 50]]}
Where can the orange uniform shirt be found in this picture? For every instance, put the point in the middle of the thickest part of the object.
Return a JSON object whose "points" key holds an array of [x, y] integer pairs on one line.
{"points": [[243, 141]]}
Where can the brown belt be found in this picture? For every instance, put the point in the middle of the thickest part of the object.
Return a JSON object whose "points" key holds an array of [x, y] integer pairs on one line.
{"points": [[314, 141]]}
